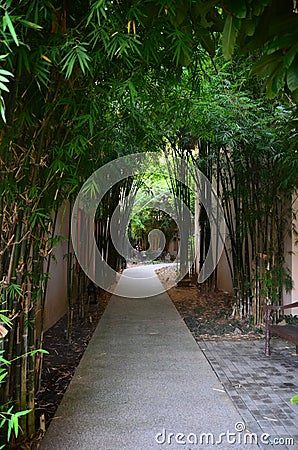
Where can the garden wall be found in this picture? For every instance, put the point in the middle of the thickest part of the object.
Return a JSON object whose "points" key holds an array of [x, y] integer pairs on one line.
{"points": [[56, 299]]}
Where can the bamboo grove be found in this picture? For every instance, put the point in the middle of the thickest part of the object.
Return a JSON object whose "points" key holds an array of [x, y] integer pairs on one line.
{"points": [[246, 147], [84, 83]]}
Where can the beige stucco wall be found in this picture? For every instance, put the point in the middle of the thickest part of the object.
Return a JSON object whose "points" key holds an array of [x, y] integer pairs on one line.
{"points": [[56, 299], [291, 256], [224, 279]]}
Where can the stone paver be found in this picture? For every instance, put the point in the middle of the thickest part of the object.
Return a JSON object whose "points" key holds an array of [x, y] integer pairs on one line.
{"points": [[260, 386]]}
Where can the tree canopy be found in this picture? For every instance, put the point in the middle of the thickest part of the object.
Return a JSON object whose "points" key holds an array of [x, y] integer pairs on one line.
{"points": [[44, 42]]}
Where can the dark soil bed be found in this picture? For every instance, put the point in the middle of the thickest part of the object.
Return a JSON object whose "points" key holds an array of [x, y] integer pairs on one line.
{"points": [[208, 314], [60, 363]]}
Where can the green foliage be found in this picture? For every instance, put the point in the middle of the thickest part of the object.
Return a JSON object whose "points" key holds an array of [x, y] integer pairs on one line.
{"points": [[229, 36], [78, 53], [273, 281], [9, 418], [3, 87], [294, 399], [83, 84]]}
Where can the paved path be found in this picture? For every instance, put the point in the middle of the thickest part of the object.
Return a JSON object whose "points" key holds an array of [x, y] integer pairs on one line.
{"points": [[144, 384], [260, 386]]}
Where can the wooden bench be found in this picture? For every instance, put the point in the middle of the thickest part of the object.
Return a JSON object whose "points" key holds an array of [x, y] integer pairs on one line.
{"points": [[288, 331]]}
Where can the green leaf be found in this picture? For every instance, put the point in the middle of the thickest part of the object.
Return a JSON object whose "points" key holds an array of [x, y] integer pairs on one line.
{"points": [[3, 374], [15, 424], [97, 10], [7, 21], [294, 399], [22, 413], [6, 72], [14, 289], [3, 79], [267, 65], [248, 26], [292, 75], [3, 87], [31, 24], [294, 96], [290, 56], [2, 109], [77, 54], [278, 79], [5, 319], [208, 43], [258, 7], [40, 350], [282, 42], [229, 35], [237, 7], [10, 427]]}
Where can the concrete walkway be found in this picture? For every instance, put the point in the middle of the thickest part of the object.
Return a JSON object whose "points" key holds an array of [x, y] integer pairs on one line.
{"points": [[144, 384]]}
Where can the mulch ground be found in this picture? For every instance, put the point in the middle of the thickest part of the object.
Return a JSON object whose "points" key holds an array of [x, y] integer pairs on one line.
{"points": [[207, 315]]}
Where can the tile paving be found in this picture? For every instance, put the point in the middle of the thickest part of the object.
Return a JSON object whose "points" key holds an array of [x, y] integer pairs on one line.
{"points": [[260, 386]]}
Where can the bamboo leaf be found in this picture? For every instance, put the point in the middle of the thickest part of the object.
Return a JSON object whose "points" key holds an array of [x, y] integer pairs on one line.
{"points": [[3, 421], [14, 289], [10, 427], [22, 413], [40, 350], [2, 110], [5, 319], [3, 79], [97, 9], [31, 24], [15, 424], [6, 72], [5, 361], [7, 21], [3, 374], [3, 87]]}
